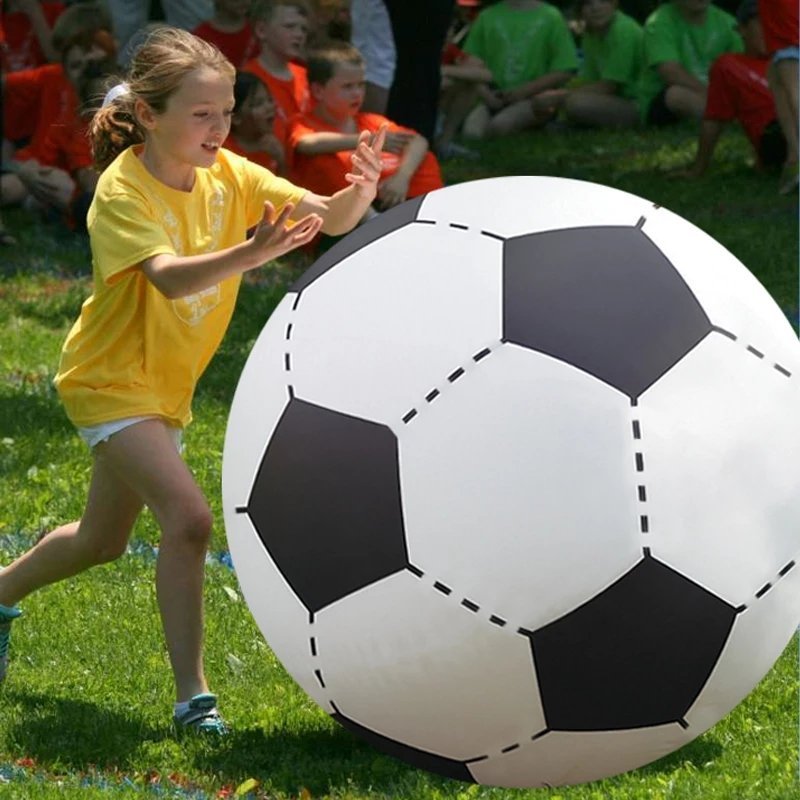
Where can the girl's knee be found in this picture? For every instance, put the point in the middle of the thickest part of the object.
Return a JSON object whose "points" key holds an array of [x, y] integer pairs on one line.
{"points": [[192, 526]]}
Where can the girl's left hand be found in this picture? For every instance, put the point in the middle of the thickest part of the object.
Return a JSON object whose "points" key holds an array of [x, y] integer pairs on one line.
{"points": [[366, 160]]}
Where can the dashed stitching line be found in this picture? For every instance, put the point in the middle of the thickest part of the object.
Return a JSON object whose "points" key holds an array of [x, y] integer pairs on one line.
{"points": [[782, 572], [754, 351], [457, 373], [639, 462], [461, 227]]}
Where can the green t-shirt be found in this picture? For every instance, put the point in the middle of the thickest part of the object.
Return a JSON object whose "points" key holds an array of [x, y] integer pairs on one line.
{"points": [[617, 56], [520, 45], [668, 37]]}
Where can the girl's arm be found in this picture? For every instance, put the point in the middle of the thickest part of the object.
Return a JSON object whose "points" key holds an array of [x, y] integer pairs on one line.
{"points": [[177, 276], [342, 211]]}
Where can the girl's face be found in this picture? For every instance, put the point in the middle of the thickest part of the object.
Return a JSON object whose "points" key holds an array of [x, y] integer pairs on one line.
{"points": [[257, 112], [194, 124]]}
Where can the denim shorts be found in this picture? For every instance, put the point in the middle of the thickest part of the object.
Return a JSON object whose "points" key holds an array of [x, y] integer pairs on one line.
{"points": [[786, 54]]}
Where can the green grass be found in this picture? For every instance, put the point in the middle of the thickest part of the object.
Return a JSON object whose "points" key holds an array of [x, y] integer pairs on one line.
{"points": [[87, 704]]}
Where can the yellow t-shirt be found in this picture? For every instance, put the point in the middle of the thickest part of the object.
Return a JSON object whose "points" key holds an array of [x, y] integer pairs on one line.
{"points": [[133, 351]]}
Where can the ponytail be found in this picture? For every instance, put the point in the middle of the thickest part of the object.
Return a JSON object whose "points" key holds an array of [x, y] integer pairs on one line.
{"points": [[113, 129]]}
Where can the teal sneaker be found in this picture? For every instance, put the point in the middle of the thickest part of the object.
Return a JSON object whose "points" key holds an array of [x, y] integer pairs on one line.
{"points": [[7, 616], [201, 717]]}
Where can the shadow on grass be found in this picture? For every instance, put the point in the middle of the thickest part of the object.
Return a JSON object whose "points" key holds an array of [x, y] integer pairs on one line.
{"points": [[75, 734], [320, 761], [26, 411], [698, 752]]}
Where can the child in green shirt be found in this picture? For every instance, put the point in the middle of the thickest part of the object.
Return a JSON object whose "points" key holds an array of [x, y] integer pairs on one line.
{"points": [[516, 50], [604, 93], [682, 39]]}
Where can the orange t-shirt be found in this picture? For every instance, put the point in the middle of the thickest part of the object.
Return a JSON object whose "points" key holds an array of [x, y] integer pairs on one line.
{"points": [[261, 157], [239, 47], [291, 96], [66, 144], [22, 48], [324, 174], [34, 100]]}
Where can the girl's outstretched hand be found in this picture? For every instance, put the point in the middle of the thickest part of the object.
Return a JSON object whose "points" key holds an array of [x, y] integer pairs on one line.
{"points": [[366, 160], [274, 236]]}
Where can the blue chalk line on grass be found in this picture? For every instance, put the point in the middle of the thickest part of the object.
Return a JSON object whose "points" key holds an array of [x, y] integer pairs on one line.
{"points": [[17, 543]]}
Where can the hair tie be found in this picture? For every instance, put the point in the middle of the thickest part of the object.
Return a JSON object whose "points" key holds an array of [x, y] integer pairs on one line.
{"points": [[114, 92]]}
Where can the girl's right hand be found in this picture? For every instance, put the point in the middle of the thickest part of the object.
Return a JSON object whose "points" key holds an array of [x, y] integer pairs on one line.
{"points": [[274, 236]]}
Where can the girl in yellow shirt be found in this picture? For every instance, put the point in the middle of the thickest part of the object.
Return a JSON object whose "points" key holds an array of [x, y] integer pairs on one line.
{"points": [[168, 230]]}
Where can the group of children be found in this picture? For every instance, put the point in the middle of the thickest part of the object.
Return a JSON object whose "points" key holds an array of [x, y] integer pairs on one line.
{"points": [[201, 164]]}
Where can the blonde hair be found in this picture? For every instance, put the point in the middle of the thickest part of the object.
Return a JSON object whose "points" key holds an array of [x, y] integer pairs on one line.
{"points": [[159, 65]]}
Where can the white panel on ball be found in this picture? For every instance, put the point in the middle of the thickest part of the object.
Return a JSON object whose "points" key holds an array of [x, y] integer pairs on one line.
{"points": [[260, 398], [273, 604], [722, 502], [550, 204], [506, 463], [421, 657], [759, 636], [730, 294], [559, 759], [372, 351]]}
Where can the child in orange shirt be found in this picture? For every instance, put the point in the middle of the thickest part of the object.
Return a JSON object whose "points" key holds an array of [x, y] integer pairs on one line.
{"points": [[252, 134], [27, 33], [322, 142], [230, 30], [281, 28], [38, 100]]}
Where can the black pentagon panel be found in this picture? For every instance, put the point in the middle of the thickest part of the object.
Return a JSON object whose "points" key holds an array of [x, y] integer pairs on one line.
{"points": [[326, 503], [411, 755], [386, 222], [636, 655], [604, 299]]}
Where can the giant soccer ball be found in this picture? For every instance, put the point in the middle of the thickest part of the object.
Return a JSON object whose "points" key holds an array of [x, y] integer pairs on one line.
{"points": [[510, 481]]}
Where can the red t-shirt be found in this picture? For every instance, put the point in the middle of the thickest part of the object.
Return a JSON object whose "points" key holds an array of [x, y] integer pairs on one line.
{"points": [[239, 47], [779, 20], [738, 90], [261, 157], [22, 50], [291, 96], [66, 144], [34, 99], [324, 174]]}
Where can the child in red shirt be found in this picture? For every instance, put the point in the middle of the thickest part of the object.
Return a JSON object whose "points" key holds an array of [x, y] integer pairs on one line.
{"points": [[281, 28], [779, 19], [230, 30], [322, 142], [42, 104], [738, 90], [251, 132], [27, 27]]}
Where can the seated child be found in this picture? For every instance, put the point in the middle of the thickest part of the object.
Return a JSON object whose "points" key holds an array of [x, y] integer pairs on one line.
{"points": [[604, 93], [321, 143], [738, 90], [281, 28], [230, 30], [27, 32], [251, 133], [682, 39], [38, 100], [779, 19], [517, 49]]}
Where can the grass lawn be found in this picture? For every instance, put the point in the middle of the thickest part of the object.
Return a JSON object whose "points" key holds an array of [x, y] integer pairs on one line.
{"points": [[85, 710]]}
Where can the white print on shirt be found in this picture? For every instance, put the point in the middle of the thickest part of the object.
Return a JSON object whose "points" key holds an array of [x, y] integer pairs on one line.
{"points": [[192, 308], [516, 52]]}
